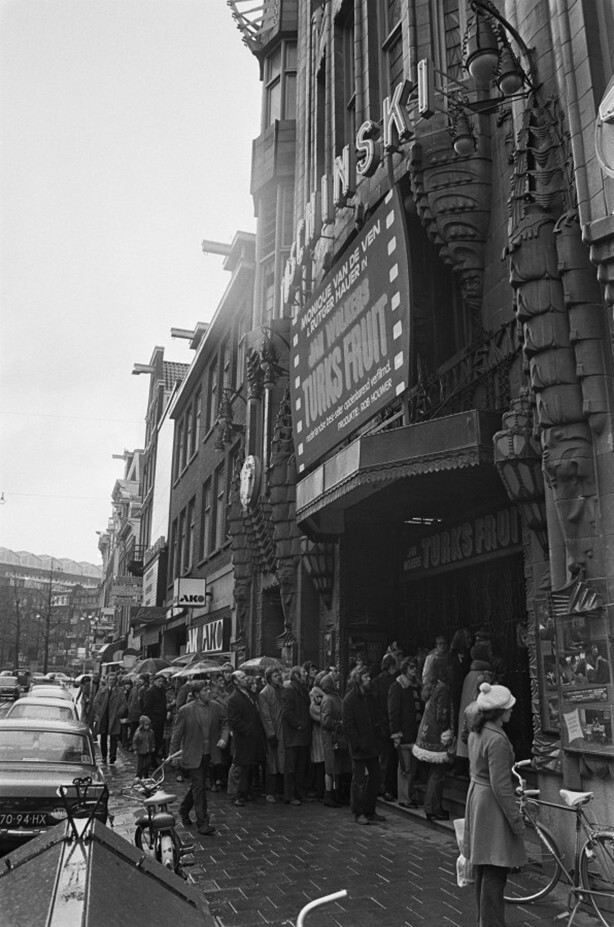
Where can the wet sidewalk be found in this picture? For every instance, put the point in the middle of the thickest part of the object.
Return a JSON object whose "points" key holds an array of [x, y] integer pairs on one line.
{"points": [[266, 861]]}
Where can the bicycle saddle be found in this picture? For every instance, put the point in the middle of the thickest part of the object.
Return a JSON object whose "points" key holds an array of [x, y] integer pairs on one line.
{"points": [[160, 798], [575, 798]]}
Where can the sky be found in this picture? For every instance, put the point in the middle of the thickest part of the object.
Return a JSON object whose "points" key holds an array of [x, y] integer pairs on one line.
{"points": [[126, 130]]}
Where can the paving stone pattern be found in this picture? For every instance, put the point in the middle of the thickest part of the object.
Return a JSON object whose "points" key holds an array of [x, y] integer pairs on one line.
{"points": [[267, 861]]}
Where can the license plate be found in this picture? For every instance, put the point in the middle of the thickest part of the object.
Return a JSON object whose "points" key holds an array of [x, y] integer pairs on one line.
{"points": [[27, 819]]}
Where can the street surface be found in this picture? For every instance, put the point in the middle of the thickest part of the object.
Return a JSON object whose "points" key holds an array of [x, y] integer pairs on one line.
{"points": [[267, 861]]}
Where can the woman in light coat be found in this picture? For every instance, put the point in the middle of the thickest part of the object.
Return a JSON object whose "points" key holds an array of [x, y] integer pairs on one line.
{"points": [[493, 840]]}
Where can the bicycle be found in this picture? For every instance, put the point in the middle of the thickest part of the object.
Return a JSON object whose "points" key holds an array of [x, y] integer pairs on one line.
{"points": [[155, 832], [590, 880]]}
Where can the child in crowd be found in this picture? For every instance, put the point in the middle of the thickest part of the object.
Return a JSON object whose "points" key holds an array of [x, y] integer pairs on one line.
{"points": [[144, 744]]}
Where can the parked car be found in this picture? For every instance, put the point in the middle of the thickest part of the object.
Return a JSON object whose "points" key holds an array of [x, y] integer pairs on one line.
{"points": [[60, 678], [9, 687], [46, 691], [36, 758], [44, 709]]}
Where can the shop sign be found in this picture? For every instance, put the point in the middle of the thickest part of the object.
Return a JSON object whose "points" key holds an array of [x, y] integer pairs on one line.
{"points": [[126, 589], [350, 345], [189, 593], [481, 536], [208, 638]]}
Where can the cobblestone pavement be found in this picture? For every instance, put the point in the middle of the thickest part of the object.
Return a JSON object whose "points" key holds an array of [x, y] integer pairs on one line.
{"points": [[267, 861]]}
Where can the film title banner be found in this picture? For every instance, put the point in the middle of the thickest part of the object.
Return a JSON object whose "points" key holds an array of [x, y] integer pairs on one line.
{"points": [[350, 344]]}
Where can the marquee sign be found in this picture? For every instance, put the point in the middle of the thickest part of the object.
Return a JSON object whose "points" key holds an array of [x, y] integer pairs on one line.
{"points": [[208, 638], [351, 343]]}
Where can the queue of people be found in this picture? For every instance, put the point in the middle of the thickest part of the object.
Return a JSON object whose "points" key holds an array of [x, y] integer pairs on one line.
{"points": [[294, 736]]}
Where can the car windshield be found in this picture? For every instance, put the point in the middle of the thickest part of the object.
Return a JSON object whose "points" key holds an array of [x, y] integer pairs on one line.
{"points": [[22, 709], [26, 746]]}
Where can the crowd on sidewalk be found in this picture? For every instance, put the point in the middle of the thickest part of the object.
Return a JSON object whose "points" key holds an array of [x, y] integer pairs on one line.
{"points": [[294, 736]]}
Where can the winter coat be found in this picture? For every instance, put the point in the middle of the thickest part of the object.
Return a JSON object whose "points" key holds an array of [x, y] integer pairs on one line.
{"points": [[154, 705], [436, 721], [248, 737], [315, 710], [188, 734], [135, 707], [334, 742], [113, 700], [493, 823], [144, 741], [402, 717], [380, 688], [361, 724], [271, 712], [296, 716], [474, 677]]}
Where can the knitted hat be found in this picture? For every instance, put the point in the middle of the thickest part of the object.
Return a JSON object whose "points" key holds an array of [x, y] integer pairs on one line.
{"points": [[491, 697], [144, 718]]}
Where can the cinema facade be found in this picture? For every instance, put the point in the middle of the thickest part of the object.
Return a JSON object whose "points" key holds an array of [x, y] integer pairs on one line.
{"points": [[439, 448]]}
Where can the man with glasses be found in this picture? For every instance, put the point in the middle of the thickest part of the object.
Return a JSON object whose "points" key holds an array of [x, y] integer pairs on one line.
{"points": [[201, 732]]}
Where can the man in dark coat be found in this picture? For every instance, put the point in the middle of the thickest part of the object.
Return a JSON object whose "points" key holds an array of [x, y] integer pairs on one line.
{"points": [[403, 718], [296, 719], [110, 707], [388, 760], [154, 706], [201, 731], [248, 737], [361, 726]]}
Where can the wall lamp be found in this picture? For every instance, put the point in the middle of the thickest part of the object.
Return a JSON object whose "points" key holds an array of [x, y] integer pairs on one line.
{"points": [[226, 426], [488, 54]]}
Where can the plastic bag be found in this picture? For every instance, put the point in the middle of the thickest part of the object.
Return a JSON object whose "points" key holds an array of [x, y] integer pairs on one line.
{"points": [[464, 868]]}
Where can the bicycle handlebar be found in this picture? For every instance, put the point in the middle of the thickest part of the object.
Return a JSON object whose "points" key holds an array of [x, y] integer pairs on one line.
{"points": [[316, 904]]}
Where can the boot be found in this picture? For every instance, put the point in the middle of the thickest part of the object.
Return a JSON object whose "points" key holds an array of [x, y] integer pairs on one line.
{"points": [[329, 800]]}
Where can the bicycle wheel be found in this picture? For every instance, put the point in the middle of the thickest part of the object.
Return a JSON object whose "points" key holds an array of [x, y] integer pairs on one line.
{"points": [[597, 874], [168, 855], [542, 871]]}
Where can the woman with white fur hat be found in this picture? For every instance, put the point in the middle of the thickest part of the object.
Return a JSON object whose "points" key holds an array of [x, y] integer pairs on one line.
{"points": [[494, 827]]}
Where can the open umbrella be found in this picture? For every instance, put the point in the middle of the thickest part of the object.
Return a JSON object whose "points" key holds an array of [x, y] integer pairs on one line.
{"points": [[195, 669], [150, 666], [186, 659], [168, 671], [260, 664]]}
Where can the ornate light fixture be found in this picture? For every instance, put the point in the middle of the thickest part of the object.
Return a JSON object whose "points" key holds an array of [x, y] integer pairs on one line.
{"points": [[488, 54], [226, 426], [518, 458], [461, 131]]}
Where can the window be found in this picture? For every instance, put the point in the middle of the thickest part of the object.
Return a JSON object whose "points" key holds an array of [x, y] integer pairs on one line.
{"points": [[227, 362], [178, 448], [189, 433], [240, 332], [218, 527], [205, 520], [212, 399], [181, 544], [195, 423], [190, 526], [345, 88], [173, 550], [280, 84], [392, 45]]}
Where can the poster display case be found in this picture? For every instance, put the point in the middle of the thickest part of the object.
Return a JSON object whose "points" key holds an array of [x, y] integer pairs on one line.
{"points": [[582, 672]]}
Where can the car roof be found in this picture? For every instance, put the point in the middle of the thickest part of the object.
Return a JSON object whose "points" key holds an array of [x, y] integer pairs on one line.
{"points": [[45, 700], [52, 691], [33, 724]]}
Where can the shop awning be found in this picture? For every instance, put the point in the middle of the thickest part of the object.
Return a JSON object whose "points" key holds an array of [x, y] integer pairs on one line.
{"points": [[418, 459]]}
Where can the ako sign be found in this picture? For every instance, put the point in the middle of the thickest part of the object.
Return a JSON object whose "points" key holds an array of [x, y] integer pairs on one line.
{"points": [[351, 342], [189, 593]]}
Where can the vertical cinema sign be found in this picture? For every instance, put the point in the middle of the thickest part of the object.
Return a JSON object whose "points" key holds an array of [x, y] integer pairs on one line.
{"points": [[350, 345]]}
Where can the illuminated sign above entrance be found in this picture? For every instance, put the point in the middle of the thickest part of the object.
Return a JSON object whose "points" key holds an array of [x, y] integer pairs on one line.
{"points": [[480, 537], [350, 345]]}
